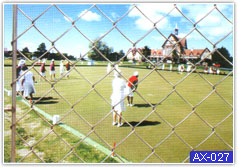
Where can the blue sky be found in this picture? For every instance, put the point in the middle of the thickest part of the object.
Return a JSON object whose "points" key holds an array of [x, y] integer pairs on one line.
{"points": [[134, 25]]}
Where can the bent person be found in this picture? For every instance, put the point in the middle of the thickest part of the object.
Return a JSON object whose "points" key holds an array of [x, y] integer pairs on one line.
{"points": [[131, 87]]}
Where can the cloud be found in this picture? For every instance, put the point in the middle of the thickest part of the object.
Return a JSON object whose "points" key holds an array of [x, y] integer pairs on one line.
{"points": [[154, 12], [90, 16], [214, 25], [114, 15]]}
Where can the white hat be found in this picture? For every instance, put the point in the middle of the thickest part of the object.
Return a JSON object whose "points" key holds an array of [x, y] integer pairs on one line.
{"points": [[21, 62], [117, 74], [52, 60], [136, 73], [44, 60]]}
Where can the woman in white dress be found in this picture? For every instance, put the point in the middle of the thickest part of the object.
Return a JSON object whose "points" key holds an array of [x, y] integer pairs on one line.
{"points": [[28, 83], [117, 97], [61, 67], [19, 73]]}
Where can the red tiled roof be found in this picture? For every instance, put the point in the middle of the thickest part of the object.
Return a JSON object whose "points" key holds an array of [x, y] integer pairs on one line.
{"points": [[194, 52], [156, 52]]}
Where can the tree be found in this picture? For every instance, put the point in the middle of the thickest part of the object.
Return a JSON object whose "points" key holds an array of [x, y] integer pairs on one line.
{"points": [[146, 51], [103, 48], [41, 50], [25, 50], [218, 59], [121, 54]]}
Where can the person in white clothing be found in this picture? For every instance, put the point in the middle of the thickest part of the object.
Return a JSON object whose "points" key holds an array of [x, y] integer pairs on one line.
{"points": [[19, 88], [28, 84], [117, 97], [61, 68], [108, 68]]}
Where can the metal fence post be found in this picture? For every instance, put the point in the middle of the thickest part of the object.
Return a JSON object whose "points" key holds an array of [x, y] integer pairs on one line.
{"points": [[14, 60]]}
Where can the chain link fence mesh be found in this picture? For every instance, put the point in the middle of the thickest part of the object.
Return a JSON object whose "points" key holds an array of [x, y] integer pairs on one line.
{"points": [[71, 109]]}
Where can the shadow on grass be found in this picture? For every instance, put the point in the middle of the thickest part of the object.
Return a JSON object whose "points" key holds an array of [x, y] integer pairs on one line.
{"points": [[142, 105], [144, 123], [45, 100]]}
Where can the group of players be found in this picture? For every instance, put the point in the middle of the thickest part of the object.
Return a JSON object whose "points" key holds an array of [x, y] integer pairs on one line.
{"points": [[120, 88], [25, 83], [52, 69]]}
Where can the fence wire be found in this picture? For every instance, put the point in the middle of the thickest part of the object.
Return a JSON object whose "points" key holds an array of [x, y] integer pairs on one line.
{"points": [[155, 66]]}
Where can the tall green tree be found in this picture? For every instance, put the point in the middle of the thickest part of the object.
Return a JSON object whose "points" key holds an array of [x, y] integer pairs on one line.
{"points": [[103, 48], [25, 50], [218, 59], [146, 51], [121, 54], [41, 50]]}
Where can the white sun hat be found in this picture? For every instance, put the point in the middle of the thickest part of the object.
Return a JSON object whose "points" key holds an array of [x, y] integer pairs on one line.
{"points": [[136, 73]]}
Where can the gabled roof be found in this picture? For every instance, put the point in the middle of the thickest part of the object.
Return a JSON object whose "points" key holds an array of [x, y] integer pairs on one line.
{"points": [[182, 43], [205, 50], [195, 52]]}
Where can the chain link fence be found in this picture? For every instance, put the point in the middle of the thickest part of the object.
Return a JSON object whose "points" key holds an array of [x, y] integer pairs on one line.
{"points": [[111, 149]]}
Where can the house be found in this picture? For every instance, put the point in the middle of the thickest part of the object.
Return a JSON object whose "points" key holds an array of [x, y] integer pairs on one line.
{"points": [[176, 46]]}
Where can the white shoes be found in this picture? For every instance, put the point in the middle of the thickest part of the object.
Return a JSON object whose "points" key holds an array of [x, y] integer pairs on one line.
{"points": [[130, 105], [114, 123], [119, 125]]}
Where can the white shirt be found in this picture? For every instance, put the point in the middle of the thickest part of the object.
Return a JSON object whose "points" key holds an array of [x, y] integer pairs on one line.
{"points": [[118, 88], [28, 78]]}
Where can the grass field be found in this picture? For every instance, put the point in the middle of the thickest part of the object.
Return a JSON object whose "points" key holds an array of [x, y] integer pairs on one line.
{"points": [[154, 89]]}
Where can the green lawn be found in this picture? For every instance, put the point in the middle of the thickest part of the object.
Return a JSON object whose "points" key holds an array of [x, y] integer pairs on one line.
{"points": [[172, 109]]}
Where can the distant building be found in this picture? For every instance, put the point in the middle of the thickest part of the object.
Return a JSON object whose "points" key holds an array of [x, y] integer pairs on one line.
{"points": [[180, 45]]}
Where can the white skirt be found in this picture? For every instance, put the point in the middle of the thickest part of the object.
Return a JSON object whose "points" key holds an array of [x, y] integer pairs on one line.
{"points": [[129, 91], [18, 85], [120, 106], [43, 74], [28, 88], [52, 72]]}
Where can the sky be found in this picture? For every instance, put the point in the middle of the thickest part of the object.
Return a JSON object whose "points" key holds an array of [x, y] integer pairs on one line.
{"points": [[135, 25]]}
